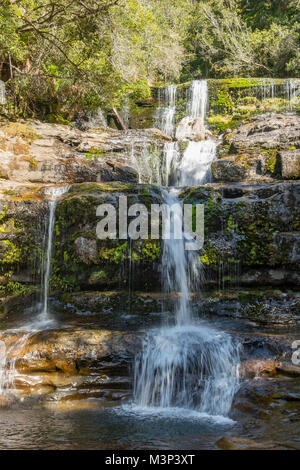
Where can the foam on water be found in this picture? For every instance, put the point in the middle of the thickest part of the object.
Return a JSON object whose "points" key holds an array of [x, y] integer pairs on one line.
{"points": [[185, 370]]}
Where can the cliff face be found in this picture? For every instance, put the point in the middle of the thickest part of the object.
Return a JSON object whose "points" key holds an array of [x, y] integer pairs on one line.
{"points": [[252, 219]]}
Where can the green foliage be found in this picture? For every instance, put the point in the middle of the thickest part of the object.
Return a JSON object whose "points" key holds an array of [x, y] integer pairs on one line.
{"points": [[238, 37], [57, 57], [13, 288]]}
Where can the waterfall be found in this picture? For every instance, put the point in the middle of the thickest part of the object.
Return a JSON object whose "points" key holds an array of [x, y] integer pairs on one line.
{"points": [[147, 162], [165, 115], [186, 366], [197, 99], [2, 92], [171, 157], [53, 194], [291, 91], [189, 367], [10, 354]]}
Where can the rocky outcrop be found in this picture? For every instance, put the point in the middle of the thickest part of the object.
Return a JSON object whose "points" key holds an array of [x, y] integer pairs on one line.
{"points": [[81, 259], [261, 149], [269, 131], [251, 237], [71, 351], [252, 233], [38, 152], [192, 129]]}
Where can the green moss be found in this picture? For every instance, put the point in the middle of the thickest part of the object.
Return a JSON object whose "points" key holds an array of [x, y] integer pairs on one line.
{"points": [[210, 255], [150, 250], [10, 252], [116, 254], [272, 163], [97, 276], [14, 288], [25, 131], [33, 163], [94, 152]]}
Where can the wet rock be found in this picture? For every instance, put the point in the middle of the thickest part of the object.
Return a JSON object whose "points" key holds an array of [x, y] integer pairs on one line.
{"points": [[76, 351], [53, 153], [229, 170], [252, 368], [239, 443], [290, 163], [260, 149], [269, 131], [288, 370], [192, 129], [86, 250]]}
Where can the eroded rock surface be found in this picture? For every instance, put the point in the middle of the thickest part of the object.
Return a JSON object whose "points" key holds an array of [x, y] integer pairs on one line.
{"points": [[262, 148], [32, 151]]}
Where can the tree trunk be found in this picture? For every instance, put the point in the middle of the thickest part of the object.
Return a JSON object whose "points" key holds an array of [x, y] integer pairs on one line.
{"points": [[119, 119]]}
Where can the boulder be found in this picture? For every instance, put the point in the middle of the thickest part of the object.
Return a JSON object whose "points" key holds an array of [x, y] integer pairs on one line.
{"points": [[261, 149], [268, 131], [290, 163], [76, 351], [37, 152], [192, 129]]}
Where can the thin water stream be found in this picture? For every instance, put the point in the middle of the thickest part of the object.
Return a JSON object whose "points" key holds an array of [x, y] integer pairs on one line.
{"points": [[186, 366], [42, 318]]}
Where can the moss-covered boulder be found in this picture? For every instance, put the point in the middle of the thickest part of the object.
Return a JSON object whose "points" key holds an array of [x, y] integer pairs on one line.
{"points": [[263, 148], [252, 233], [82, 260]]}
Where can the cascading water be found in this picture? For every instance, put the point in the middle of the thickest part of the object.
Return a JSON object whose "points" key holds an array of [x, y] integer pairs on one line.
{"points": [[292, 91], [171, 157], [194, 167], [197, 99], [186, 366], [2, 92], [165, 116], [9, 355]]}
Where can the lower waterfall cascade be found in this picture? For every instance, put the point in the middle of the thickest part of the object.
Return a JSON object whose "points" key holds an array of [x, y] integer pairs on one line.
{"points": [[186, 365], [43, 320]]}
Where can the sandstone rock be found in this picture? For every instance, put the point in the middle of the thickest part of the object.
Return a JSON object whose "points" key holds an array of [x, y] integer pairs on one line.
{"points": [[79, 350], [288, 369], [290, 164], [260, 149], [273, 131], [239, 443], [56, 153], [192, 129], [252, 368]]}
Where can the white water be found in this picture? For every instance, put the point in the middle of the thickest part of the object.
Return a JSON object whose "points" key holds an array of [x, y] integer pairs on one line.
{"points": [[147, 163], [186, 366], [194, 168], [171, 158], [2, 92], [197, 99], [9, 355], [165, 116], [53, 195], [292, 91]]}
